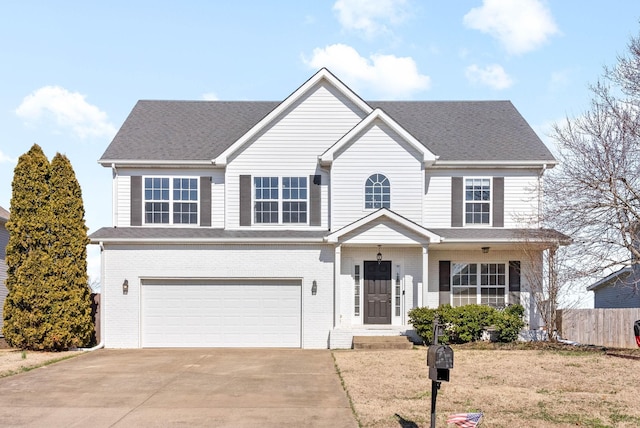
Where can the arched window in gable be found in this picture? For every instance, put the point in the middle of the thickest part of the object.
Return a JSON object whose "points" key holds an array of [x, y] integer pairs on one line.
{"points": [[377, 192]]}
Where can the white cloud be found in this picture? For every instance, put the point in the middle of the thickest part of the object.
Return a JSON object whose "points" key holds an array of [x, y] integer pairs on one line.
{"points": [[4, 158], [492, 75], [210, 96], [387, 76], [70, 111], [370, 17], [520, 26]]}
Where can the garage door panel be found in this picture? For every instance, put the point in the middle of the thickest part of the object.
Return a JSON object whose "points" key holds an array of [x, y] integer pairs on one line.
{"points": [[221, 313]]}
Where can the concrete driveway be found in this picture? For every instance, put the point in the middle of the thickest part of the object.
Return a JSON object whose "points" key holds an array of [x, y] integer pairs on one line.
{"points": [[180, 387]]}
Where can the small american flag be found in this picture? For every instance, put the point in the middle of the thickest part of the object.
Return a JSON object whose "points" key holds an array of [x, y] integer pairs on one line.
{"points": [[465, 420]]}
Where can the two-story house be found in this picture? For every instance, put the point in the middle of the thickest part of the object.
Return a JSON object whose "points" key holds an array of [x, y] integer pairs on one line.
{"points": [[303, 222]]}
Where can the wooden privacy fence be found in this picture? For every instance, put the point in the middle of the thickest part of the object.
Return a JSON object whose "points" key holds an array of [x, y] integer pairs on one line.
{"points": [[612, 328]]}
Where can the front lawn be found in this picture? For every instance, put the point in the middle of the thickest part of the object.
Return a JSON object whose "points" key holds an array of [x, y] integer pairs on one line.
{"points": [[564, 387]]}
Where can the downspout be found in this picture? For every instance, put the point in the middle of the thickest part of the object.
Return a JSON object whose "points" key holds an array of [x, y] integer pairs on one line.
{"points": [[540, 194], [101, 344], [114, 195]]}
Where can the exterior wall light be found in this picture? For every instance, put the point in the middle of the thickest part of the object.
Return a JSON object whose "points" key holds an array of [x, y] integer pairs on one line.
{"points": [[125, 287], [314, 288], [379, 255], [485, 250]]}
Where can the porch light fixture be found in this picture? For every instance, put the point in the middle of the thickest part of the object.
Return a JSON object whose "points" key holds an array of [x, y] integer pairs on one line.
{"points": [[314, 288], [485, 250], [125, 287], [379, 255]]}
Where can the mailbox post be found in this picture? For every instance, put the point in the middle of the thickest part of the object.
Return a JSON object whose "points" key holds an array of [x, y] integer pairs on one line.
{"points": [[440, 361]]}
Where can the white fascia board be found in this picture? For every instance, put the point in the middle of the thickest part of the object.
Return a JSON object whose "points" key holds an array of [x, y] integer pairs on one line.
{"points": [[383, 212], [154, 241], [322, 74], [328, 156], [109, 163], [495, 164]]}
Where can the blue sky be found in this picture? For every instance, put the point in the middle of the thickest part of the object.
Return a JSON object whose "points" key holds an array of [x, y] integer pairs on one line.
{"points": [[72, 70]]}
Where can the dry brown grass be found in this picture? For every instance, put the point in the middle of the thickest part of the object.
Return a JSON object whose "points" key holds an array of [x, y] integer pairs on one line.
{"points": [[512, 387]]}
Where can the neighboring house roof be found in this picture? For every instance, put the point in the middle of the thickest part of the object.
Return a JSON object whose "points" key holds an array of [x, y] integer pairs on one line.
{"points": [[4, 214], [201, 131], [617, 277]]}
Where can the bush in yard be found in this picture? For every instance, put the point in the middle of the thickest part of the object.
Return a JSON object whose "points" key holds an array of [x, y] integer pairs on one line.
{"points": [[509, 322], [468, 321], [47, 307], [465, 323], [71, 320]]}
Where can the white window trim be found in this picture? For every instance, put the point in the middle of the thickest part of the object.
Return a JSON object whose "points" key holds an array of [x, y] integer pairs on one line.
{"points": [[479, 285], [170, 201], [464, 201], [364, 191], [280, 201]]}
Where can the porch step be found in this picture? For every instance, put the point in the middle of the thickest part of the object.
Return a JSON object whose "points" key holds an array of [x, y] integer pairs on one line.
{"points": [[381, 342]]}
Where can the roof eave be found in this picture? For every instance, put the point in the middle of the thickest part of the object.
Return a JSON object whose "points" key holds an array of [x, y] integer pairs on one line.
{"points": [[506, 164], [154, 241], [155, 163]]}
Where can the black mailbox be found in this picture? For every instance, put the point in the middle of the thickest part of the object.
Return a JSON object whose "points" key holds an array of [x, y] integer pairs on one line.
{"points": [[440, 356], [440, 361]]}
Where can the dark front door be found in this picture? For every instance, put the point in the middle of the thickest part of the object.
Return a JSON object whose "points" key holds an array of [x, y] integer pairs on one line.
{"points": [[377, 292]]}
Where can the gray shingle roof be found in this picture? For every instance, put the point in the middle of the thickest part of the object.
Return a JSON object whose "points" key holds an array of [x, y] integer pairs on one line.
{"points": [[208, 234], [201, 130], [202, 234]]}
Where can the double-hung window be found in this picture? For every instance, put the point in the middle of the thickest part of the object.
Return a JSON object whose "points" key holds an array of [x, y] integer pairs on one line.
{"points": [[170, 200], [478, 283], [275, 195], [477, 197]]}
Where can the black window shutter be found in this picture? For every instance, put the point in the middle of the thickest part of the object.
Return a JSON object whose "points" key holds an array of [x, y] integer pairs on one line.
{"points": [[514, 276], [456, 201], [445, 275], [315, 202], [245, 200], [136, 200], [498, 201], [205, 201]]}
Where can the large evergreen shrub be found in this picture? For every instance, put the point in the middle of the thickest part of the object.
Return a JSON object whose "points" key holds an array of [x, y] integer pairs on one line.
{"points": [[48, 306]]}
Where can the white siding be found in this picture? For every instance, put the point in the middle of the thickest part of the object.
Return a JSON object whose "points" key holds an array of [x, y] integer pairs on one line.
{"points": [[217, 199], [520, 201], [290, 146], [406, 261], [520, 196], [123, 200], [122, 315], [122, 193], [377, 150], [437, 201]]}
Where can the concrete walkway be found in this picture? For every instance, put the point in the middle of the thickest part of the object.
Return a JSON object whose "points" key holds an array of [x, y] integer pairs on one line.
{"points": [[187, 388]]}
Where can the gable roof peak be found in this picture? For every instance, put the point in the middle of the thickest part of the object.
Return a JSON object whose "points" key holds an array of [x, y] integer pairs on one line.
{"points": [[322, 74], [328, 156]]}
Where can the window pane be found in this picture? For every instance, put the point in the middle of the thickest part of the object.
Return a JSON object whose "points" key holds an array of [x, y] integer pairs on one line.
{"points": [[377, 192]]}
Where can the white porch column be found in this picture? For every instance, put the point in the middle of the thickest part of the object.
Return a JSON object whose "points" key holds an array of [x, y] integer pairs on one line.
{"points": [[423, 292], [337, 285]]}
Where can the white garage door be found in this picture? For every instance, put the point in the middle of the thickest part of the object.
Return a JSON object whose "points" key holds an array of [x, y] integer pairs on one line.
{"points": [[216, 313]]}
